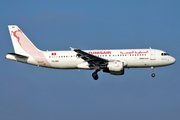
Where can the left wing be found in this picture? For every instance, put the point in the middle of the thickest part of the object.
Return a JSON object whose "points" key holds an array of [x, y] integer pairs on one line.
{"points": [[91, 59]]}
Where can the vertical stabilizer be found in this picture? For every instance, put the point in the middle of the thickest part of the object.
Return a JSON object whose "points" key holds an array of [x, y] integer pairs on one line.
{"points": [[20, 41]]}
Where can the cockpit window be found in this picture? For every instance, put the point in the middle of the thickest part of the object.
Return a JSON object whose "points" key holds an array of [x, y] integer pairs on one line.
{"points": [[164, 54]]}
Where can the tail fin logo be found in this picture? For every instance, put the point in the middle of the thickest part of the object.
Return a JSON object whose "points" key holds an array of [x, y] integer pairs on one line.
{"points": [[15, 35]]}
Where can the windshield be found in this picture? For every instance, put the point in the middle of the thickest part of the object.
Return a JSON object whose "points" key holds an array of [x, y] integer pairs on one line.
{"points": [[164, 54]]}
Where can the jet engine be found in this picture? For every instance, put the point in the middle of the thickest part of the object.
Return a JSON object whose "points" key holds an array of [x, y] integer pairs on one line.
{"points": [[115, 68]]}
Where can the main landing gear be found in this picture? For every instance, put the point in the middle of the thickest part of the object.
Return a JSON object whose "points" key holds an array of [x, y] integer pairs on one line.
{"points": [[95, 75], [152, 70]]}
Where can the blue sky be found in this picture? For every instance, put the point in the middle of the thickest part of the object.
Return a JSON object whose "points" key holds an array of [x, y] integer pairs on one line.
{"points": [[33, 93]]}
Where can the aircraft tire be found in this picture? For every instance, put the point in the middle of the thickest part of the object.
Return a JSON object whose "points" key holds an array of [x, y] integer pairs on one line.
{"points": [[153, 75], [95, 76]]}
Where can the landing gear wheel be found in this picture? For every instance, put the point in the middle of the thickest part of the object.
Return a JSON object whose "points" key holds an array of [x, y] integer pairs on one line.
{"points": [[95, 75], [152, 70], [153, 75]]}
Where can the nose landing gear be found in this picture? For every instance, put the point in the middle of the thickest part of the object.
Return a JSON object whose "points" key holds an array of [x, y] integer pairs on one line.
{"points": [[152, 70]]}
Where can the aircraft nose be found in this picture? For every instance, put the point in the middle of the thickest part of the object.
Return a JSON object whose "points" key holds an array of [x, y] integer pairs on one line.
{"points": [[173, 60]]}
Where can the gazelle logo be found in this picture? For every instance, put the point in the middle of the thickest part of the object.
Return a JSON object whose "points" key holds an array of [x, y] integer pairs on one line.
{"points": [[14, 33]]}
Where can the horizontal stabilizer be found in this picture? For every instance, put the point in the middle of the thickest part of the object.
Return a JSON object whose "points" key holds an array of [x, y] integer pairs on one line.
{"points": [[19, 55]]}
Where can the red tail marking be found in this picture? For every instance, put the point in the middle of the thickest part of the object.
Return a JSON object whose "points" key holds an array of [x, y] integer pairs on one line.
{"points": [[14, 33]]}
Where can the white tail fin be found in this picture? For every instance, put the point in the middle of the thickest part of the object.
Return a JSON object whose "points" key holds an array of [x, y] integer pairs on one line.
{"points": [[20, 42]]}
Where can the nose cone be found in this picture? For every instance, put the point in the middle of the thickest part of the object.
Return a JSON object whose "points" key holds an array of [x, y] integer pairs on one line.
{"points": [[172, 60]]}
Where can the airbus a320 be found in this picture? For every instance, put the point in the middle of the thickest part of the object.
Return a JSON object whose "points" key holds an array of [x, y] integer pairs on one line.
{"points": [[109, 61]]}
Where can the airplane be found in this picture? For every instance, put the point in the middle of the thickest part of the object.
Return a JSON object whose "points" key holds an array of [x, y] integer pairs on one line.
{"points": [[109, 61]]}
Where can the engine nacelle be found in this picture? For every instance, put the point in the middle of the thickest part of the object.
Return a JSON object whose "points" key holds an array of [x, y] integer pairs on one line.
{"points": [[115, 68]]}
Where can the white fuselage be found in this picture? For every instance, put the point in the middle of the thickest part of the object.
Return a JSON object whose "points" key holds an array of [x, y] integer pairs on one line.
{"points": [[132, 58]]}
